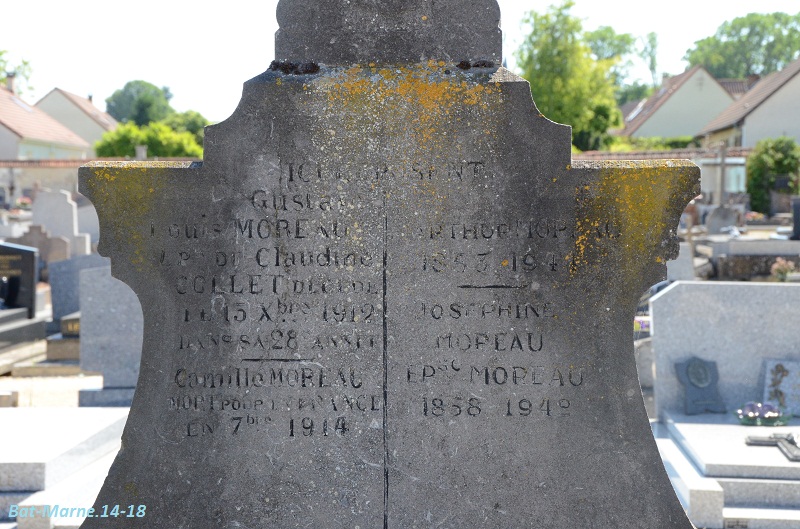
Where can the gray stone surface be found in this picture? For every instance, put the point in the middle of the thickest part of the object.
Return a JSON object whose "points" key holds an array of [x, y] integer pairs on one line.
{"points": [[58, 213], [409, 31], [111, 329], [65, 282], [682, 268], [726, 323], [722, 217], [387, 298]]}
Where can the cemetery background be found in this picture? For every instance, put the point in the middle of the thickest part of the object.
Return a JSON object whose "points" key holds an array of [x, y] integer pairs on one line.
{"points": [[715, 486]]}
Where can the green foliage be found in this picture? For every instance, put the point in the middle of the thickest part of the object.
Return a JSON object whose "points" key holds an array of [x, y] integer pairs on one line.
{"points": [[771, 157], [648, 52], [140, 102], [160, 139], [189, 121], [633, 92], [608, 45], [655, 143], [22, 70], [753, 44], [568, 85]]}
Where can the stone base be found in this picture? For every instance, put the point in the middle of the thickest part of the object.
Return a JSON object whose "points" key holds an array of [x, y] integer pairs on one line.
{"points": [[57, 368], [106, 397], [60, 347]]}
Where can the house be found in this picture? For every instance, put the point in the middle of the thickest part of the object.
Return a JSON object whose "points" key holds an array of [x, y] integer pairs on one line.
{"points": [[77, 114], [767, 110], [682, 105], [29, 133]]}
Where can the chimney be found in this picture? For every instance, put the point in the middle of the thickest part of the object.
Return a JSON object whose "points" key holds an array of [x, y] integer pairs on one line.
{"points": [[89, 98], [10, 82], [752, 79]]}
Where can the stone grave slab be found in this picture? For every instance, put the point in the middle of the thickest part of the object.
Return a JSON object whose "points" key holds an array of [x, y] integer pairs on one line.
{"points": [[19, 265], [717, 445], [49, 444], [111, 336], [715, 321], [782, 384], [58, 213], [395, 302]]}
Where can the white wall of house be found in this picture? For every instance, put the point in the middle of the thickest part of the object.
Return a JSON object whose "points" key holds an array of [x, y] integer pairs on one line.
{"points": [[779, 115], [688, 110], [63, 110], [9, 144], [35, 150]]}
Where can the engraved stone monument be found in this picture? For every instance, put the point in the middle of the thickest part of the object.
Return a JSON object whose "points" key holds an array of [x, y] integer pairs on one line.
{"points": [[387, 298]]}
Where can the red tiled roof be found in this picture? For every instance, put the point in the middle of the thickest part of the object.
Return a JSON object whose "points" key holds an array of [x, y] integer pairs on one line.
{"points": [[101, 118], [30, 123], [759, 93], [655, 101], [736, 87]]}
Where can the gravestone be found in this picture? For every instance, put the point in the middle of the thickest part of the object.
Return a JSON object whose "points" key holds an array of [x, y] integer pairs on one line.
{"points": [[730, 323], [18, 277], [110, 337], [58, 213], [721, 218], [387, 297], [51, 249], [65, 283]]}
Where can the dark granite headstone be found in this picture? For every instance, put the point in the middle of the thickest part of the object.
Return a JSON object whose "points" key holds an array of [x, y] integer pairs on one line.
{"points": [[18, 276], [795, 219], [699, 379], [387, 297]]}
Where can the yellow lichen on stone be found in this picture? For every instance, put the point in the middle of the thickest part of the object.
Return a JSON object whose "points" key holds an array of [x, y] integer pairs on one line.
{"points": [[630, 209], [403, 106]]}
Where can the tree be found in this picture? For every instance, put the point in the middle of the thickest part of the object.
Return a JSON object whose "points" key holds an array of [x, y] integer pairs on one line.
{"points": [[771, 157], [608, 45], [189, 121], [635, 91], [140, 102], [160, 139], [648, 52], [21, 71], [568, 85], [753, 44]]}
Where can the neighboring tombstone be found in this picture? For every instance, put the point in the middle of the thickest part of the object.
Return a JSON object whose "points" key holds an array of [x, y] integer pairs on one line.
{"points": [[51, 249], [65, 283], [795, 219], [721, 218], [722, 322], [110, 337], [699, 379], [782, 384], [682, 268], [18, 277], [387, 297], [66, 345], [58, 213]]}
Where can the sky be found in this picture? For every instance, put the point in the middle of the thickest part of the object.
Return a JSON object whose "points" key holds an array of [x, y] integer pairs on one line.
{"points": [[204, 51]]}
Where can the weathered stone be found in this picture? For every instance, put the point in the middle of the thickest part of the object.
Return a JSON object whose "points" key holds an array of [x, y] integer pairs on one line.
{"points": [[721, 218], [387, 298]]}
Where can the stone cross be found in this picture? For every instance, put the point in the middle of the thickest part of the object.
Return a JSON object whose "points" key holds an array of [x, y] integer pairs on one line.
{"points": [[387, 297]]}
